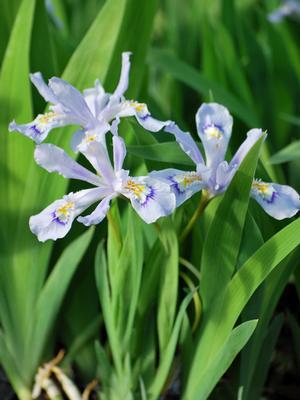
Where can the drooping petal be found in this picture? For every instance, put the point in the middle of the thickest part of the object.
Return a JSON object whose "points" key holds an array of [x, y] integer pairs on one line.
{"points": [[186, 142], [55, 159], [42, 87], [150, 197], [72, 101], [279, 201], [39, 128], [55, 221], [214, 125], [182, 183], [98, 214], [124, 78], [97, 155], [142, 114], [252, 137], [96, 98]]}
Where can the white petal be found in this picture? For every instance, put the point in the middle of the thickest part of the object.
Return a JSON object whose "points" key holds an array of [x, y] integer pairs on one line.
{"points": [[182, 183], [98, 157], [55, 221], [252, 137], [42, 87], [186, 142], [55, 159], [119, 150], [151, 198], [98, 214], [214, 125], [96, 98], [279, 201], [124, 78], [72, 101], [39, 128]]}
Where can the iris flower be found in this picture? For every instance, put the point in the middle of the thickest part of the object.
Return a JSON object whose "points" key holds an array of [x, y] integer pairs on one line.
{"points": [[150, 197], [93, 110], [288, 8], [214, 125]]}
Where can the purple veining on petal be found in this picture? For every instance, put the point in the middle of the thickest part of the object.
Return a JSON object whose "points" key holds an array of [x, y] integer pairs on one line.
{"points": [[144, 117], [273, 197], [56, 219], [35, 129], [148, 196], [175, 185]]}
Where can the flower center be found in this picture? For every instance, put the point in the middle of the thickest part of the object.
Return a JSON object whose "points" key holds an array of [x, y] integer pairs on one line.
{"points": [[139, 107], [213, 132], [44, 119], [265, 190], [141, 192], [63, 213], [184, 181]]}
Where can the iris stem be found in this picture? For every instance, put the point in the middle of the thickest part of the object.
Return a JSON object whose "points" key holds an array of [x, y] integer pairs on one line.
{"points": [[198, 212]]}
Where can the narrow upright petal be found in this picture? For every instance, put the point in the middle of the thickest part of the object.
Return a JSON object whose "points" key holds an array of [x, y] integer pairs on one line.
{"points": [[97, 155], [151, 198], [72, 101], [54, 159], [252, 137], [124, 78], [214, 125], [119, 150], [43, 88], [96, 98], [186, 142], [279, 201], [55, 221]]}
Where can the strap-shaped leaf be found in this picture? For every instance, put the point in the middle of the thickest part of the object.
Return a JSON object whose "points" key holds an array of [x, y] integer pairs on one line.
{"points": [[222, 244], [227, 306], [52, 295]]}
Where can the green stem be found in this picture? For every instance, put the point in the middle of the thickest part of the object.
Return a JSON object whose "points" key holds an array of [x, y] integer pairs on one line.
{"points": [[199, 210]]}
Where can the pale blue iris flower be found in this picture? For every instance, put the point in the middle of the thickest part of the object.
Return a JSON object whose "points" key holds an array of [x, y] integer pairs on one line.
{"points": [[288, 8], [93, 110], [214, 125], [150, 197]]}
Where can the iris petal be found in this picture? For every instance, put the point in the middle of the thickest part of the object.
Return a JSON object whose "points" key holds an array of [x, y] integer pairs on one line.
{"points": [[151, 198], [186, 142], [98, 214], [279, 201], [55, 221], [54, 159], [214, 125], [182, 183]]}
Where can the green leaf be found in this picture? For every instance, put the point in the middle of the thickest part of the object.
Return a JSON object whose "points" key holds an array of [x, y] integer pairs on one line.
{"points": [[223, 359], [185, 73], [52, 295], [102, 282], [227, 306], [289, 153], [221, 247], [167, 357], [265, 357], [167, 152], [167, 297]]}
